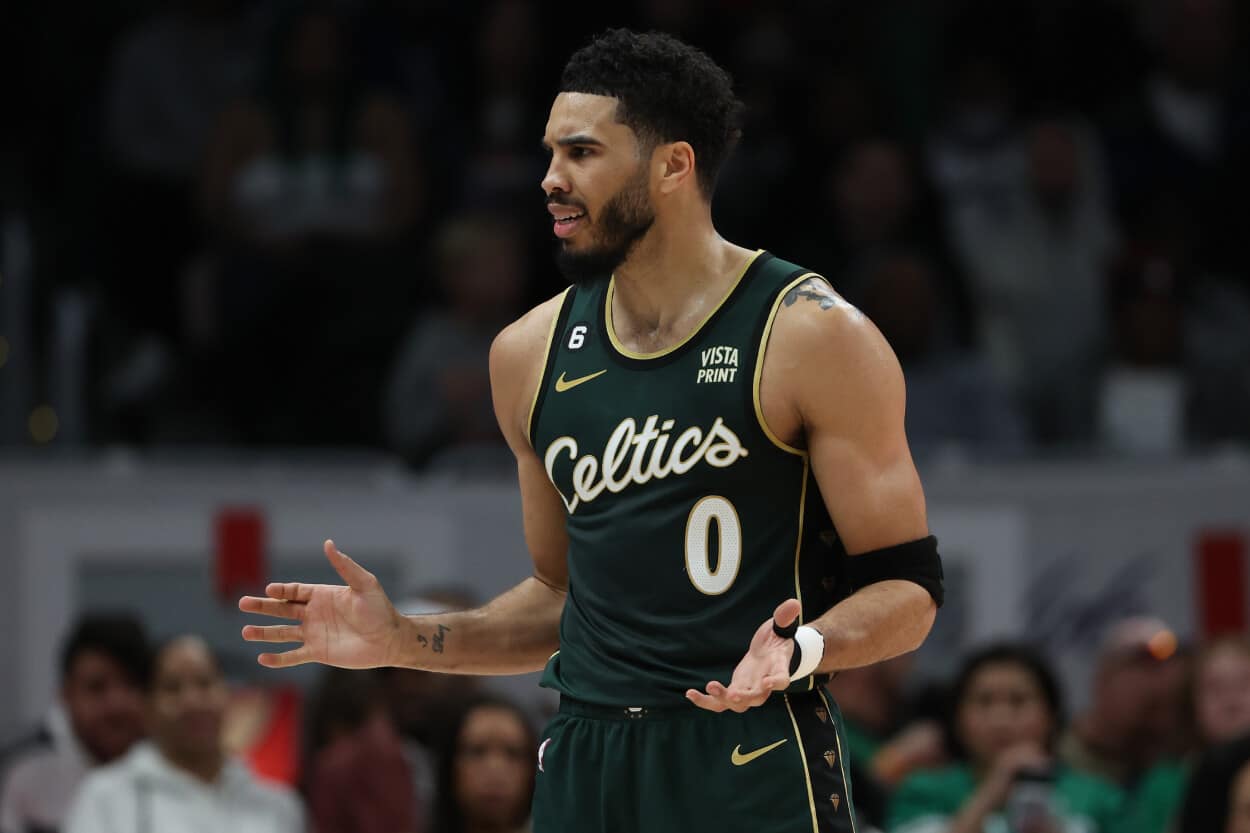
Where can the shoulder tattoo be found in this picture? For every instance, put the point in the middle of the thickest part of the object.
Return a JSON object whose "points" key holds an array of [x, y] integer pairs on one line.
{"points": [[814, 289]]}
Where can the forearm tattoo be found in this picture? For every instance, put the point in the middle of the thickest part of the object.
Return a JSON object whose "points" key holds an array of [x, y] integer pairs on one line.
{"points": [[436, 641]]}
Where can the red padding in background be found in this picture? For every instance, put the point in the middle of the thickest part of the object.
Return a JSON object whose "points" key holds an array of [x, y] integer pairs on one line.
{"points": [[239, 552], [1222, 582]]}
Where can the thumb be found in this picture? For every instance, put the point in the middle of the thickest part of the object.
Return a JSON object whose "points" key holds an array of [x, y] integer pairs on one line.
{"points": [[355, 576], [787, 612]]}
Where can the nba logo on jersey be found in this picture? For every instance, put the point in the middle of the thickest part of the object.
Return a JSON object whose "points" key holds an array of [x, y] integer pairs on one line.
{"points": [[541, 749]]}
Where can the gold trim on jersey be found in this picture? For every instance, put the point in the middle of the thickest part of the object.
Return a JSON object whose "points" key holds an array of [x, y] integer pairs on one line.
{"points": [[759, 365], [624, 351], [837, 736], [798, 549], [807, 776], [542, 374]]}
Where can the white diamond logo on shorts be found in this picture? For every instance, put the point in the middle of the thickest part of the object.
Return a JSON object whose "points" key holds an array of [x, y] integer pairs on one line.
{"points": [[541, 749]]}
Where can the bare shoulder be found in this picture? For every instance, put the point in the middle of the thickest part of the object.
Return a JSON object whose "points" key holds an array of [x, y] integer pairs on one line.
{"points": [[517, 356], [815, 323], [526, 336], [823, 350]]}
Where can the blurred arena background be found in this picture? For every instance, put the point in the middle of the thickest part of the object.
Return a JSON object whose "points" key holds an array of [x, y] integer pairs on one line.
{"points": [[252, 256]]}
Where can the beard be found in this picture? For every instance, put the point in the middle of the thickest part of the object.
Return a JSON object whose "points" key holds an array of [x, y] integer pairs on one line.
{"points": [[623, 221]]}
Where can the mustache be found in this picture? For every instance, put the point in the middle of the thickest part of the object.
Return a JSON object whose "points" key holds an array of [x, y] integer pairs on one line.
{"points": [[563, 203]]}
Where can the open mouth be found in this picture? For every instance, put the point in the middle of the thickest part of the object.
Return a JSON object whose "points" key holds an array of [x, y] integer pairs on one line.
{"points": [[566, 220]]}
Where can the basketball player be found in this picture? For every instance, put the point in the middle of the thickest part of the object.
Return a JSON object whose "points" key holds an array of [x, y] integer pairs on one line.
{"points": [[716, 488]]}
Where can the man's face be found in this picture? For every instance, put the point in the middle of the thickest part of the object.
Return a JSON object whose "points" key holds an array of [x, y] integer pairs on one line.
{"points": [[1133, 693], [597, 185], [105, 706]]}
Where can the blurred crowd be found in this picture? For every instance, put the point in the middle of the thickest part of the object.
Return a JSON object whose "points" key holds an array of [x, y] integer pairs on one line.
{"points": [[151, 737], [301, 223]]}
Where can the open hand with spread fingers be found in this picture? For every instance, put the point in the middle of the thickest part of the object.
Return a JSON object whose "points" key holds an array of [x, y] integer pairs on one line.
{"points": [[764, 669], [349, 626]]}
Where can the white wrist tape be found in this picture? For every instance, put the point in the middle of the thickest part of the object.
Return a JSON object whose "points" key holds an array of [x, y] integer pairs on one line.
{"points": [[810, 644]]}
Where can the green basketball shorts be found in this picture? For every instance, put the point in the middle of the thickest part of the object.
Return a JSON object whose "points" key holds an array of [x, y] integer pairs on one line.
{"points": [[777, 768]]}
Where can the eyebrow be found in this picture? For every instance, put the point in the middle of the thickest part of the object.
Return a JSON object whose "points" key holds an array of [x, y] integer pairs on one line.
{"points": [[575, 139]]}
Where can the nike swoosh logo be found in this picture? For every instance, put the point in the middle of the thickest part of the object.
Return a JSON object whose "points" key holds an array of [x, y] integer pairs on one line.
{"points": [[740, 759], [562, 385]]}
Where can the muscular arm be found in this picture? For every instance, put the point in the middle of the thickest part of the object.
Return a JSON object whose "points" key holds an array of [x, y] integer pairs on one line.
{"points": [[519, 630], [833, 380], [356, 626]]}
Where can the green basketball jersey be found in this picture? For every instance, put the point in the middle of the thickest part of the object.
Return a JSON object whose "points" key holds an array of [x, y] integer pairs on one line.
{"points": [[688, 521]]}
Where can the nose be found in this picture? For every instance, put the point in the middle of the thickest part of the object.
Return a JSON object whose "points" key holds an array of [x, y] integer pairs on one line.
{"points": [[555, 181]]}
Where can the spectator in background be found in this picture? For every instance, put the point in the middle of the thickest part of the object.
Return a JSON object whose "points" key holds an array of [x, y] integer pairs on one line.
{"points": [[881, 209], [99, 716], [973, 154], [1143, 392], [438, 407], [1037, 257], [1222, 690], [1218, 707], [504, 88], [1218, 797], [1179, 142], [486, 775], [1239, 803], [1007, 716], [885, 741], [764, 161], [423, 705], [358, 779], [182, 780], [172, 75], [311, 190], [1124, 731], [955, 399], [1180, 156]]}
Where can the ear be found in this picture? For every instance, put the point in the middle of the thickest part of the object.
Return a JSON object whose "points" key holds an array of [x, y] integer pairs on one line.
{"points": [[675, 164]]}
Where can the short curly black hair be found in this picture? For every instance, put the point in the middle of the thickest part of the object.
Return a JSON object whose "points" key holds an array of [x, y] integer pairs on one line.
{"points": [[1021, 655], [668, 91], [120, 636]]}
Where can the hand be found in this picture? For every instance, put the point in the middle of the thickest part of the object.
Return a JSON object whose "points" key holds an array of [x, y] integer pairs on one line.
{"points": [[918, 745], [350, 627], [1009, 764], [764, 669]]}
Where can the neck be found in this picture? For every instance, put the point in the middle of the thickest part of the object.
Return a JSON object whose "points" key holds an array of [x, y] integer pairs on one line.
{"points": [[205, 766], [672, 278]]}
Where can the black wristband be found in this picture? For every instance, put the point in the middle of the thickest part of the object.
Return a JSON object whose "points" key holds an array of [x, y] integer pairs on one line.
{"points": [[796, 657], [788, 631]]}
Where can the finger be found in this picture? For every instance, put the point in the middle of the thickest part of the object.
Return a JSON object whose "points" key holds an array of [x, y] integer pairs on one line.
{"points": [[718, 690], [272, 607], [704, 702], [287, 659], [273, 633], [355, 576], [787, 612], [289, 591]]}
